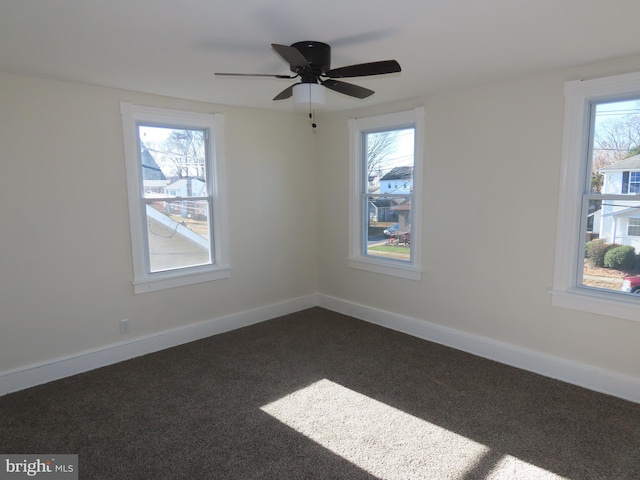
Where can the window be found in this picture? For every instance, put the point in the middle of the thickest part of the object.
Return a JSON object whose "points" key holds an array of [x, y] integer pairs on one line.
{"points": [[634, 227], [599, 196], [385, 214], [177, 209], [634, 182]]}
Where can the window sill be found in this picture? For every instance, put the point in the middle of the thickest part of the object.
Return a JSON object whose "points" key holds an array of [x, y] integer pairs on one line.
{"points": [[166, 280], [609, 304], [409, 272]]}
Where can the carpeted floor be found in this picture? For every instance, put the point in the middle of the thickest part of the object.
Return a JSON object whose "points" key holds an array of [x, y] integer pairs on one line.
{"points": [[319, 395]]}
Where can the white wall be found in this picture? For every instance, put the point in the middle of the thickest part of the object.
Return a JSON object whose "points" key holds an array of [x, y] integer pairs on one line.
{"points": [[65, 254], [491, 178], [488, 239]]}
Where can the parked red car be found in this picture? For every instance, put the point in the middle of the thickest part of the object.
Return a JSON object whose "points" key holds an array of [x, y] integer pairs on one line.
{"points": [[631, 284]]}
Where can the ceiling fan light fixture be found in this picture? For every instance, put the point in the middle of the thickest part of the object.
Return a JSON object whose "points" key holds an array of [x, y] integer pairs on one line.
{"points": [[308, 96]]}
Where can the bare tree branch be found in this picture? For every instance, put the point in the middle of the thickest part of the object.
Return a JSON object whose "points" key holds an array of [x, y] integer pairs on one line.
{"points": [[379, 146]]}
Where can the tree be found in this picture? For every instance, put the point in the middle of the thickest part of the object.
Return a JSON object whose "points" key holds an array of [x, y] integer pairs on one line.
{"points": [[379, 146], [615, 138], [185, 150], [634, 151]]}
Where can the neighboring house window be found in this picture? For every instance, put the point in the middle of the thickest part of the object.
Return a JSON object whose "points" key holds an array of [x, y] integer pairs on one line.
{"points": [[600, 182], [385, 219], [634, 227], [177, 204], [634, 182]]}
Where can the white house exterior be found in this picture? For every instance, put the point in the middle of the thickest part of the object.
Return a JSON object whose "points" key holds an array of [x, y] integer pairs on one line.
{"points": [[186, 187], [397, 180], [619, 220]]}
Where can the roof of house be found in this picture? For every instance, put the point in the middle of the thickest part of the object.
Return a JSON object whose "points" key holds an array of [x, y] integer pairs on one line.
{"points": [[399, 173], [632, 212], [406, 207], [150, 169], [630, 163]]}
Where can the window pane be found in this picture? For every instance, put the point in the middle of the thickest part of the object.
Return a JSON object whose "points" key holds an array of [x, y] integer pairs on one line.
{"points": [[613, 223], [390, 161], [173, 165], [173, 162], [178, 233], [389, 171], [389, 227], [634, 182]]}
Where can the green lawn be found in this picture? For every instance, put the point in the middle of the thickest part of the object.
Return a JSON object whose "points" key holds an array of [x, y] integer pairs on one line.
{"points": [[390, 249]]}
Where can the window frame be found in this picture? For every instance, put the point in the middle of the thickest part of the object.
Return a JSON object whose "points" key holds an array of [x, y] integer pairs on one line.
{"points": [[143, 279], [634, 179], [358, 214], [635, 227], [567, 291]]}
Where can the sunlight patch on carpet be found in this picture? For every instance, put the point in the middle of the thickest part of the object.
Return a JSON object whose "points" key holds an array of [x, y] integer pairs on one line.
{"points": [[512, 468], [385, 441]]}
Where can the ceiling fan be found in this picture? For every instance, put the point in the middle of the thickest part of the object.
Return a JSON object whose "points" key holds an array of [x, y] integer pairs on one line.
{"points": [[311, 61]]}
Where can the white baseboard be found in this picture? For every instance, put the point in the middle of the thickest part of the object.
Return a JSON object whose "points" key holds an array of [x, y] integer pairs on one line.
{"points": [[593, 378], [569, 371], [55, 369]]}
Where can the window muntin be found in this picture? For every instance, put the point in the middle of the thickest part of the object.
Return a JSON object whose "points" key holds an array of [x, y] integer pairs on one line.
{"points": [[175, 178], [386, 163]]}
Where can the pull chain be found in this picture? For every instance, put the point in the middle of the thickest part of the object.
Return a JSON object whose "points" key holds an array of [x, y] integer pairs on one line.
{"points": [[311, 111]]}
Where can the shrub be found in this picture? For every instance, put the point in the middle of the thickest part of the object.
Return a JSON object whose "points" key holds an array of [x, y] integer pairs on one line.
{"points": [[596, 250], [620, 258]]}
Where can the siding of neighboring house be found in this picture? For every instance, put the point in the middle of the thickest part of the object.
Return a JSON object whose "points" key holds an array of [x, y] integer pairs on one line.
{"points": [[398, 180], [616, 218], [186, 187]]}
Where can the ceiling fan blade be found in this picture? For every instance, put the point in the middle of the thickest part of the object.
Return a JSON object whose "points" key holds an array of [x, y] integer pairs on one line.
{"points": [[347, 88], [286, 93], [365, 69], [253, 75], [291, 55]]}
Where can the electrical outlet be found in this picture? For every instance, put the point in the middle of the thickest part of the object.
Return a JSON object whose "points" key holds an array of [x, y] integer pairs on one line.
{"points": [[124, 325]]}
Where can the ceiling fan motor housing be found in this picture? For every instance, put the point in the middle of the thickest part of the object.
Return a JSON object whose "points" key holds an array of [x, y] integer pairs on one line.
{"points": [[318, 56]]}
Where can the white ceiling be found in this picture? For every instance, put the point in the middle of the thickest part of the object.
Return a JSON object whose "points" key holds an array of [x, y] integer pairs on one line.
{"points": [[174, 48]]}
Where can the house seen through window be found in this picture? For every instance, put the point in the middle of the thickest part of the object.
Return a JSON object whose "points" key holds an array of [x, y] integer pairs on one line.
{"points": [[611, 215]]}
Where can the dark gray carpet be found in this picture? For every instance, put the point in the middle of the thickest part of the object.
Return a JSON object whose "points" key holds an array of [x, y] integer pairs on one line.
{"points": [[199, 411]]}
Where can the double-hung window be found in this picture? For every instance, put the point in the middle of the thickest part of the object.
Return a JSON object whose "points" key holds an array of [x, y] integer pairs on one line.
{"points": [[634, 227], [599, 204], [177, 206], [386, 193], [634, 182]]}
